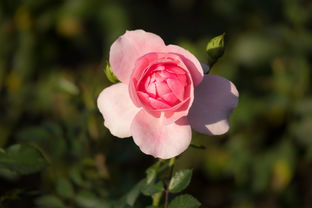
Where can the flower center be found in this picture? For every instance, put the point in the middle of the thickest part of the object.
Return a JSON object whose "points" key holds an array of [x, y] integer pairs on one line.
{"points": [[163, 86]]}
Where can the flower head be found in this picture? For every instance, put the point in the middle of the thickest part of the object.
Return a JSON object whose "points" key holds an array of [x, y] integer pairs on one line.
{"points": [[162, 94]]}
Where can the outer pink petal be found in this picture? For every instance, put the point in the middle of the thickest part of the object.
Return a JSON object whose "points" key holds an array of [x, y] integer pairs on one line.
{"points": [[190, 61], [128, 48], [161, 141], [214, 101], [117, 109]]}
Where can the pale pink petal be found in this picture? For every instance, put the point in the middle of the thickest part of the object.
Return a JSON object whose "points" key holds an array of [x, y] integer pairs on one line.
{"points": [[117, 109], [128, 48], [190, 61], [214, 101], [161, 141]]}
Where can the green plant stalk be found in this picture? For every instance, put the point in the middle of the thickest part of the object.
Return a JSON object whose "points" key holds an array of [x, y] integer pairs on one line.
{"points": [[156, 199], [166, 191]]}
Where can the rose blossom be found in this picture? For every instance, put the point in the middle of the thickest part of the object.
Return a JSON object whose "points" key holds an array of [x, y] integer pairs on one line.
{"points": [[162, 94]]}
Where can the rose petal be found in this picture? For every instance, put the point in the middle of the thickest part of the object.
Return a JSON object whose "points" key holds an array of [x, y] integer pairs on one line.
{"points": [[165, 75], [190, 61], [177, 88], [174, 69], [117, 109], [128, 48], [146, 61], [169, 98], [161, 141], [214, 101], [182, 79], [157, 104], [144, 98], [162, 88], [151, 90]]}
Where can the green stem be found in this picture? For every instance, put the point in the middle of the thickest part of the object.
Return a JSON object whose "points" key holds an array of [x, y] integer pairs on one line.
{"points": [[171, 165], [156, 199], [166, 198]]}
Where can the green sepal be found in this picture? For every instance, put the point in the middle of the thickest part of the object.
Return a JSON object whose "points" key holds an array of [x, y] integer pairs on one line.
{"points": [[215, 49], [109, 74]]}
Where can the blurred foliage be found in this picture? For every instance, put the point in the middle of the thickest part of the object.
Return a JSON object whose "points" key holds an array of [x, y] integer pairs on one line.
{"points": [[52, 60]]}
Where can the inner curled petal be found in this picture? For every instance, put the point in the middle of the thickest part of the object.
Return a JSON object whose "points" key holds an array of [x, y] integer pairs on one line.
{"points": [[176, 87], [163, 86]]}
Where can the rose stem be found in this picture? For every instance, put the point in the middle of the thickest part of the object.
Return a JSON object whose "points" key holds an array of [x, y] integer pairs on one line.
{"points": [[171, 165]]}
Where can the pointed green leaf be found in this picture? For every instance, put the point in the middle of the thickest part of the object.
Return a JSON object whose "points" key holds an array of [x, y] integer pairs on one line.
{"points": [[151, 174], [134, 193], [22, 159], [184, 201], [109, 74], [180, 180]]}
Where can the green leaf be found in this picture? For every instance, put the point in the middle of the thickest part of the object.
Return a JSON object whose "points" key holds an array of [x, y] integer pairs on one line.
{"points": [[75, 176], [184, 201], [87, 199], [180, 180], [64, 188], [134, 193], [22, 159], [8, 174], [215, 49], [151, 188], [48, 136], [151, 174], [50, 201], [109, 74]]}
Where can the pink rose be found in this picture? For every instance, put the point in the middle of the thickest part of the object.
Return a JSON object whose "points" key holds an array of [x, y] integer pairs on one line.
{"points": [[162, 94]]}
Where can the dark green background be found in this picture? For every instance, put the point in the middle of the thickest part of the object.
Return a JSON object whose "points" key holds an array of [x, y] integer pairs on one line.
{"points": [[52, 56]]}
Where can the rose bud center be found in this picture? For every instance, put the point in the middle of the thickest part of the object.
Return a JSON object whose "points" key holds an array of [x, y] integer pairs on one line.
{"points": [[163, 86]]}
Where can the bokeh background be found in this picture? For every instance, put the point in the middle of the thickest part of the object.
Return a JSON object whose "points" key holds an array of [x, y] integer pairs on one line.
{"points": [[52, 57]]}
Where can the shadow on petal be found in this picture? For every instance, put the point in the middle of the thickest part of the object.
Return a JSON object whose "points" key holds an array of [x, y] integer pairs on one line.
{"points": [[215, 98]]}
